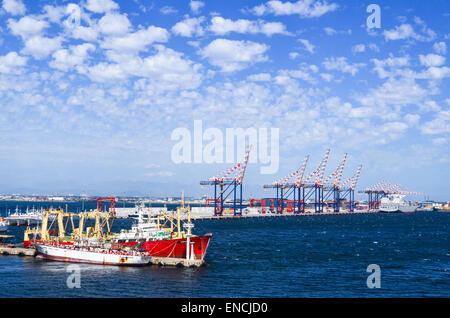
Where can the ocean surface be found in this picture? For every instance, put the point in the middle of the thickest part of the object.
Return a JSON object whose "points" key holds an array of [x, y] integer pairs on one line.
{"points": [[306, 256]]}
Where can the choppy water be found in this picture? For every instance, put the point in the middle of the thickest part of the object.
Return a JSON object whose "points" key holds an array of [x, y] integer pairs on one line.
{"points": [[309, 256]]}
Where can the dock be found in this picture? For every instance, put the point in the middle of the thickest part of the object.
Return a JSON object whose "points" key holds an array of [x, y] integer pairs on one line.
{"points": [[179, 262], [274, 215], [14, 250]]}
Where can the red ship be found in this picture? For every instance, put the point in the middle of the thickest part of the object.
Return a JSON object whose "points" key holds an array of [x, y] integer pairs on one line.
{"points": [[160, 235]]}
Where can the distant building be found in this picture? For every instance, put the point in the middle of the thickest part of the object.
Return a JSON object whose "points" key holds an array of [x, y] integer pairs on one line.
{"points": [[56, 198]]}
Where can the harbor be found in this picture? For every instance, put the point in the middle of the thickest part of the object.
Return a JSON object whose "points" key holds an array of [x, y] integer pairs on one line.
{"points": [[410, 248]]}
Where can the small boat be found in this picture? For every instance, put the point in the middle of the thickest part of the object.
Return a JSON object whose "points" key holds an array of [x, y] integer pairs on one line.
{"points": [[30, 217], [3, 225], [100, 254], [443, 207]]}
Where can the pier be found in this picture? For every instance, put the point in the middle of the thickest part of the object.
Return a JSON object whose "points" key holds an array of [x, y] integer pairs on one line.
{"points": [[275, 215], [18, 251], [179, 262]]}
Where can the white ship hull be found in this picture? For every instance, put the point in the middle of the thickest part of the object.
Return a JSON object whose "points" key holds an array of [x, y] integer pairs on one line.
{"points": [[94, 256], [16, 221], [397, 208]]}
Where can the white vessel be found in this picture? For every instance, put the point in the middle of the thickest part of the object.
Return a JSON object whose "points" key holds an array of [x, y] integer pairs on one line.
{"points": [[394, 203], [139, 210], [3, 225], [92, 255], [144, 229], [30, 217]]}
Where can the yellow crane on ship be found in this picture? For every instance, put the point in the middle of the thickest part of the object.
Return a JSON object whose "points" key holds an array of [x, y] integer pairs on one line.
{"points": [[59, 218], [62, 218]]}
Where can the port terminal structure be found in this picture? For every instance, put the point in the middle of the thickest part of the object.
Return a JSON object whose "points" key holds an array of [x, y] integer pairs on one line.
{"points": [[293, 192], [296, 193], [226, 187], [383, 188]]}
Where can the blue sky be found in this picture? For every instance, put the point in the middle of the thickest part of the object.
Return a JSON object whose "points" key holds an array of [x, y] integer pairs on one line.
{"points": [[91, 91]]}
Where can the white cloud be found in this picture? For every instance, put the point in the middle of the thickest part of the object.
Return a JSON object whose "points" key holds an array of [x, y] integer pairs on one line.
{"points": [[390, 131], [160, 174], [85, 33], [393, 63], [400, 32], [223, 26], [270, 28], [302, 73], [293, 55], [114, 24], [374, 47], [412, 119], [136, 41], [167, 69], [54, 14], [194, 43], [75, 56], [439, 125], [439, 141], [189, 27], [434, 73], [431, 60], [14, 7], [40, 47], [440, 47], [103, 72], [358, 48], [11, 63], [261, 77], [101, 6], [386, 100], [406, 31], [308, 46], [329, 31], [341, 64], [232, 56], [303, 8], [27, 26], [429, 106], [167, 10], [196, 6], [327, 77]]}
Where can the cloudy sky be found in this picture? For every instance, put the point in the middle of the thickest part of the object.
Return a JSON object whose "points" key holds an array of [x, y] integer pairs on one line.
{"points": [[91, 91]]}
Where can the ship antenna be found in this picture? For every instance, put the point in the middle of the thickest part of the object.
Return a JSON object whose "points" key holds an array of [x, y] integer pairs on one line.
{"points": [[182, 198]]}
